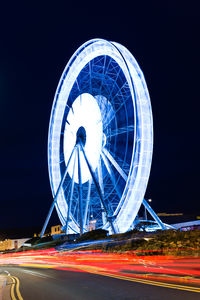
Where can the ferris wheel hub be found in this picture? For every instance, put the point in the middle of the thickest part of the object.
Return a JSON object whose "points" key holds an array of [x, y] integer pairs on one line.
{"points": [[81, 136]]}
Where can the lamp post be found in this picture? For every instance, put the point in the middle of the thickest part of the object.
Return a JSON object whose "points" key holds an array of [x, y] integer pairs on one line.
{"points": [[145, 210]]}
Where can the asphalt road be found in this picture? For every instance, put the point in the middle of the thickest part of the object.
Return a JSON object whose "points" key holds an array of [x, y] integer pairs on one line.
{"points": [[51, 284]]}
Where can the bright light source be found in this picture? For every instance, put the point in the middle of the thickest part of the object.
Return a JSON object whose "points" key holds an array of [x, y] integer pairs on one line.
{"points": [[85, 112]]}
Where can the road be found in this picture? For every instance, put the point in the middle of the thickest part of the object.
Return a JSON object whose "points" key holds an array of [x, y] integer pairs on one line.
{"points": [[51, 284]]}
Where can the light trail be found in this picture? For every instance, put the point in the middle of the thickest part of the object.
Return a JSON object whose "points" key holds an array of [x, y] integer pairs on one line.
{"points": [[127, 266], [91, 270]]}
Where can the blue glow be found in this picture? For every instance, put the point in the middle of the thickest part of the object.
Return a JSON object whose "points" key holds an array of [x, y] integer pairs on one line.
{"points": [[102, 89]]}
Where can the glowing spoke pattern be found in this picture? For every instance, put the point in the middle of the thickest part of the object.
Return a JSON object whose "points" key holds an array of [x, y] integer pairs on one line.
{"points": [[103, 91], [87, 204], [71, 193], [80, 192], [112, 176], [115, 164], [100, 177], [122, 130], [103, 204]]}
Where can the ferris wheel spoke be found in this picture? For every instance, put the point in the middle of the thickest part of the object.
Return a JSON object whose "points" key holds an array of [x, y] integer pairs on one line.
{"points": [[122, 130], [80, 192], [114, 83], [125, 85], [109, 218], [57, 193], [115, 164], [71, 193], [66, 170], [106, 69], [75, 208], [103, 75], [87, 203], [77, 84], [100, 177], [112, 176], [107, 114], [90, 80], [109, 120]]}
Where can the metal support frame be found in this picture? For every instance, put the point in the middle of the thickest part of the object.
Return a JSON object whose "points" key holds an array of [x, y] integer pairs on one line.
{"points": [[82, 221], [145, 203], [125, 177], [87, 204], [115, 164], [80, 192], [100, 179], [71, 195], [153, 214], [112, 176], [109, 218], [56, 196]]}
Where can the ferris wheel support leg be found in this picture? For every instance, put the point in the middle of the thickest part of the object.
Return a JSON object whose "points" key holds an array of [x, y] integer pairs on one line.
{"points": [[109, 219], [71, 195], [112, 176], [56, 196], [115, 164], [153, 214], [80, 192], [100, 178], [87, 204]]}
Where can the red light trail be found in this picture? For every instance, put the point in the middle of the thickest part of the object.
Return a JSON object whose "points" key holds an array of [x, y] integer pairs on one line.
{"points": [[160, 267]]}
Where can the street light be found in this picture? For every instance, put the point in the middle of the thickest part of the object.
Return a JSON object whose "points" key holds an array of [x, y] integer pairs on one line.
{"points": [[145, 210]]}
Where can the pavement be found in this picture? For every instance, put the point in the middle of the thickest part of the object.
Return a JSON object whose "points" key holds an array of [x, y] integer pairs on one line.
{"points": [[5, 284]]}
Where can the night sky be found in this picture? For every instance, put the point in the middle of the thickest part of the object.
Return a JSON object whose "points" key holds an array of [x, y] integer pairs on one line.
{"points": [[36, 42]]}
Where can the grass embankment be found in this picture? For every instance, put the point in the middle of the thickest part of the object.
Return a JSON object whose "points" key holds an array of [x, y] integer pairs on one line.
{"points": [[169, 242]]}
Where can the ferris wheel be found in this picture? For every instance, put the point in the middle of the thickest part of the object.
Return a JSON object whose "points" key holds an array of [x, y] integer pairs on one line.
{"points": [[100, 140]]}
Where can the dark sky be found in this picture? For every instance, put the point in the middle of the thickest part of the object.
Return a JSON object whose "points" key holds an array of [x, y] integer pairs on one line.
{"points": [[36, 42]]}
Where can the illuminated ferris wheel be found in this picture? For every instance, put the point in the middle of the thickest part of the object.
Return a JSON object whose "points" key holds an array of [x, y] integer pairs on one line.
{"points": [[100, 140]]}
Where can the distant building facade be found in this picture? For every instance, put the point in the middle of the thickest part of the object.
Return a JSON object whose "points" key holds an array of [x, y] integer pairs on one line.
{"points": [[92, 225], [10, 244], [56, 230]]}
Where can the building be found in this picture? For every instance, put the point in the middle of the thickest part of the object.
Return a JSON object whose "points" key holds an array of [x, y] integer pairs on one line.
{"points": [[9, 244], [57, 229], [92, 225]]}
